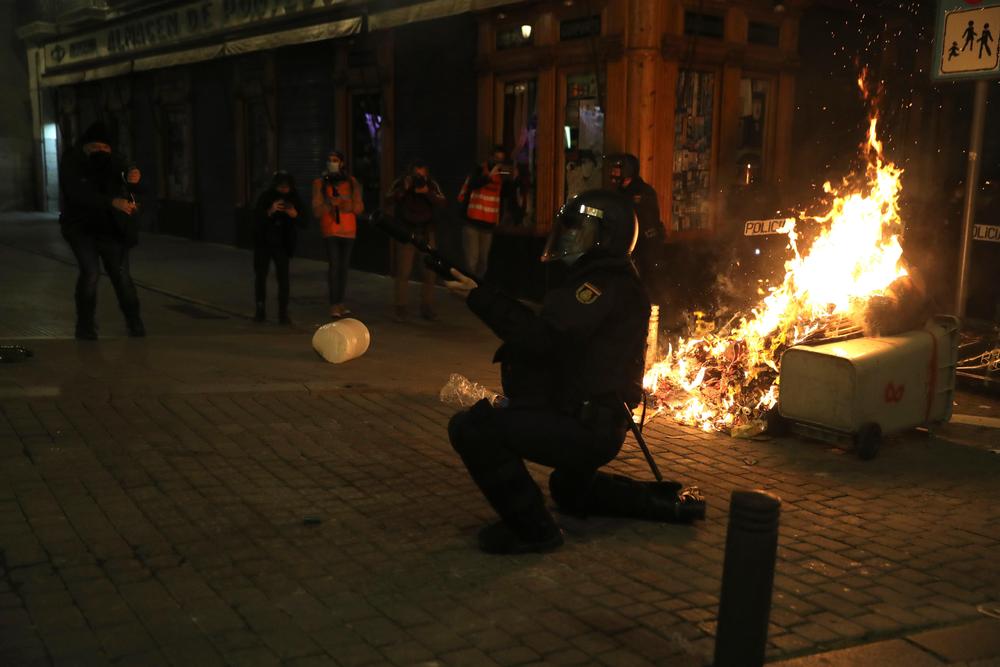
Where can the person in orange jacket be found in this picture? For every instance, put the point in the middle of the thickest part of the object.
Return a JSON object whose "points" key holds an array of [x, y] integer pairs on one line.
{"points": [[336, 203]]}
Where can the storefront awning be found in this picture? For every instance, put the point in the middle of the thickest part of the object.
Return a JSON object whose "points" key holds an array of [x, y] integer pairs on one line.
{"points": [[314, 33], [426, 11]]}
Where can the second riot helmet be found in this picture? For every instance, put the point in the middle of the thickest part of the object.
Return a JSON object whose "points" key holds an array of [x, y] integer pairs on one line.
{"points": [[592, 221], [622, 166]]}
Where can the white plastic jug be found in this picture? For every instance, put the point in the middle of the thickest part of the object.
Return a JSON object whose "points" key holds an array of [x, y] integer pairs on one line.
{"points": [[342, 340]]}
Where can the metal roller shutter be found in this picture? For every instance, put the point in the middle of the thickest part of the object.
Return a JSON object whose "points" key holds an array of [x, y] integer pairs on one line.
{"points": [[305, 111]]}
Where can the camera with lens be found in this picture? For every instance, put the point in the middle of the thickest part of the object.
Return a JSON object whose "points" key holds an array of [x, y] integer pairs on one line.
{"points": [[419, 181]]}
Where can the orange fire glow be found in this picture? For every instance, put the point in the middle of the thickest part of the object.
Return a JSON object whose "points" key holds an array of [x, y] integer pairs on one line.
{"points": [[725, 378]]}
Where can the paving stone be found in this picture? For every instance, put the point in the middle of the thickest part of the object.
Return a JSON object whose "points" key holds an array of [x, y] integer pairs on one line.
{"points": [[515, 655], [122, 640], [189, 516], [892, 653], [252, 657], [971, 641]]}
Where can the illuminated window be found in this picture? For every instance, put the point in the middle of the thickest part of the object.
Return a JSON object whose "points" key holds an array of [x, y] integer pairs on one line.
{"points": [[583, 134]]}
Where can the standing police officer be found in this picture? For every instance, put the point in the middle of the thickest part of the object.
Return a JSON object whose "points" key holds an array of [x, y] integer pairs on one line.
{"points": [[648, 255], [568, 373]]}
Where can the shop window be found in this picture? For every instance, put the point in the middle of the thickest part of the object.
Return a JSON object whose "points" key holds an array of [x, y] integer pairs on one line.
{"points": [[514, 37], [178, 152], [519, 132], [692, 171], [764, 34], [697, 24], [588, 26], [583, 134], [754, 97]]}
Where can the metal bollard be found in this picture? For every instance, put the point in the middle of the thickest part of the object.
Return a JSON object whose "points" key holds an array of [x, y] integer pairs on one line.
{"points": [[747, 579]]}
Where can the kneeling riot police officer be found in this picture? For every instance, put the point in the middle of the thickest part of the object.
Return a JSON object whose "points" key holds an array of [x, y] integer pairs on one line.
{"points": [[567, 372]]}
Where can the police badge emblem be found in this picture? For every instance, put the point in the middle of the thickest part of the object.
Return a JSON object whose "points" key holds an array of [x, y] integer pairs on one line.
{"points": [[587, 293]]}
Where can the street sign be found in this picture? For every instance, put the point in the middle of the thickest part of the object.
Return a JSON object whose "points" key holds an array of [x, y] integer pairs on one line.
{"points": [[965, 44], [986, 233], [763, 227]]}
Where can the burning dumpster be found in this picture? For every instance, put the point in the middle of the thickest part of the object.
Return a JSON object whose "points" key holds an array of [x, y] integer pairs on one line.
{"points": [[859, 389]]}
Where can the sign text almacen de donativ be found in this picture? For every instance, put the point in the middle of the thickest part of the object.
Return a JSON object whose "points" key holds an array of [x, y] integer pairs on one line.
{"points": [[181, 24]]}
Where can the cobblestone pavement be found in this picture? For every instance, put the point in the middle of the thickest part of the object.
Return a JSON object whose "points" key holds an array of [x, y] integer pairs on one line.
{"points": [[172, 530], [216, 495]]}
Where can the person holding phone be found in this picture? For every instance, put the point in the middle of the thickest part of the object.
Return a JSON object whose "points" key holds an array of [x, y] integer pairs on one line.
{"points": [[337, 201], [276, 219]]}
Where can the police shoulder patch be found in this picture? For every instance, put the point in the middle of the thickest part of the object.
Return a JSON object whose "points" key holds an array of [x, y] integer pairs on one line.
{"points": [[587, 293]]}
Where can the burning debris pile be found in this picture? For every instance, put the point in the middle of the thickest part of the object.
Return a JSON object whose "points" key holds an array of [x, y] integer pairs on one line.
{"points": [[842, 264]]}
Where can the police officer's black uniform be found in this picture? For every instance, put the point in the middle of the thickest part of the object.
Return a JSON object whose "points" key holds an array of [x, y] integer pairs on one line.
{"points": [[568, 372], [648, 253]]}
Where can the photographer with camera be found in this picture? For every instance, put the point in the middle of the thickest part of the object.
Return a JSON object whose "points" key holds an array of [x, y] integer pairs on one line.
{"points": [[413, 198], [276, 216], [481, 195], [336, 203], [98, 220]]}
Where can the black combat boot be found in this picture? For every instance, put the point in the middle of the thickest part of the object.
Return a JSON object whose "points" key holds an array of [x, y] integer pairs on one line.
{"points": [[678, 506], [526, 525], [537, 533], [261, 314], [86, 330], [136, 329], [607, 494]]}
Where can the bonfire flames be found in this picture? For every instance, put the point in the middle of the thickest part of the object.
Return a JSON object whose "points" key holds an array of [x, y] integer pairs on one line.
{"points": [[725, 377]]}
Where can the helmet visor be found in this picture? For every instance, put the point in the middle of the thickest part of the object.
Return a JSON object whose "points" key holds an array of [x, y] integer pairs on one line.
{"points": [[576, 230]]}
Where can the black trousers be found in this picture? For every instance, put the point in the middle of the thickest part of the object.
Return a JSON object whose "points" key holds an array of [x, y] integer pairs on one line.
{"points": [[263, 255], [494, 443], [338, 257], [90, 252]]}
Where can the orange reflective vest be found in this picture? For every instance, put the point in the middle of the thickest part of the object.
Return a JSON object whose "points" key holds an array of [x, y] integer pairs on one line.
{"points": [[484, 202], [340, 220]]}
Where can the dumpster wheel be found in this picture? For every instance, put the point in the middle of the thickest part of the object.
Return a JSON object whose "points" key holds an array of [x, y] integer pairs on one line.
{"points": [[868, 440]]}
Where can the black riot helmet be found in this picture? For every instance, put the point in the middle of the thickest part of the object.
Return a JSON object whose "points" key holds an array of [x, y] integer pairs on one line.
{"points": [[595, 221], [625, 164]]}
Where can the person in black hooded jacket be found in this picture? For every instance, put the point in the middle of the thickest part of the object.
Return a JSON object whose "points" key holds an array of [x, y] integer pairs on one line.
{"points": [[98, 220], [276, 216]]}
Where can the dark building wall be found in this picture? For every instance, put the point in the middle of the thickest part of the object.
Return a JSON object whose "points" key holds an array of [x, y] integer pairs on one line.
{"points": [[305, 126], [16, 146], [146, 138], [435, 114], [215, 149]]}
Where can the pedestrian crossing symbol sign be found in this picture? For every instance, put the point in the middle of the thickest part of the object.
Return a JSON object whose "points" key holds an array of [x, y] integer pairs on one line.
{"points": [[966, 45]]}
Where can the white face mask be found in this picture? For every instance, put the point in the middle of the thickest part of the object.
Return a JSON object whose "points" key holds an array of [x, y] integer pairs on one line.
{"points": [[333, 167], [587, 168]]}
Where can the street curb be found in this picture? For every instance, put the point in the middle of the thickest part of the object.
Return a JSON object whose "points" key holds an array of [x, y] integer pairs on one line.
{"points": [[972, 642]]}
